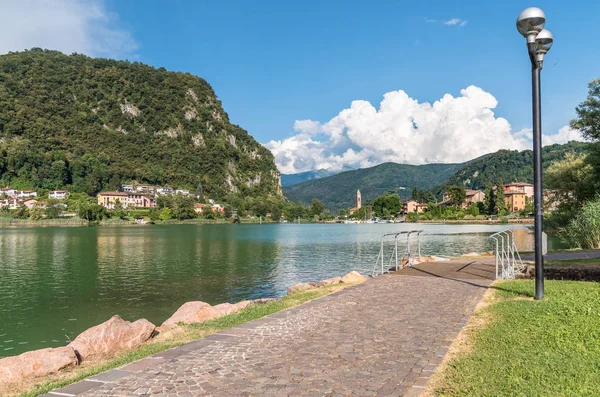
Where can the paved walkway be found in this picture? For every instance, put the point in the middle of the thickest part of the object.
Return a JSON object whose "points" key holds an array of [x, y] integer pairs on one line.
{"points": [[384, 337]]}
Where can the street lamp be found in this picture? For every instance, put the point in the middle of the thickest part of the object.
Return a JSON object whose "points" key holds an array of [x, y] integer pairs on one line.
{"points": [[530, 24]]}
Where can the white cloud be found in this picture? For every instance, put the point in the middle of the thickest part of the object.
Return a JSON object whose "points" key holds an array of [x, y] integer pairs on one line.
{"points": [[65, 25], [403, 130], [456, 22], [565, 134]]}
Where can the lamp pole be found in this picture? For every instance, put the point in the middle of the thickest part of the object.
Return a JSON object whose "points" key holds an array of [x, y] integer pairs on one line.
{"points": [[530, 24]]}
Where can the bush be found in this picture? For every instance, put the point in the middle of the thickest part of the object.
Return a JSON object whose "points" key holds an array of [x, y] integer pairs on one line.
{"points": [[584, 229]]}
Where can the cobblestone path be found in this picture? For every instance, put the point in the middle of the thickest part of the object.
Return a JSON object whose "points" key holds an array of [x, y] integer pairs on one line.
{"points": [[384, 337]]}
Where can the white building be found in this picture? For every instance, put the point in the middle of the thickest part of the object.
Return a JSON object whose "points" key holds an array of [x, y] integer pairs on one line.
{"points": [[8, 192], [183, 192], [59, 194], [127, 188], [26, 193], [164, 191]]}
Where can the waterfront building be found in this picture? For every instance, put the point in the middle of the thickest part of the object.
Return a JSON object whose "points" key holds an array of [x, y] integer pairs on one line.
{"points": [[515, 200], [111, 200], [412, 206], [519, 187], [8, 192]]}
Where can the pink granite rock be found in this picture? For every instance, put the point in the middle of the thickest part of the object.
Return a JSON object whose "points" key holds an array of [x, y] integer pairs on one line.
{"points": [[329, 281], [197, 312], [111, 337], [36, 363], [300, 287], [353, 277]]}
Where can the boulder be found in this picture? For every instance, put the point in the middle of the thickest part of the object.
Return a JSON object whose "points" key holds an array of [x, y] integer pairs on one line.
{"points": [[353, 277], [329, 281], [36, 363], [111, 337], [198, 312], [300, 287]]}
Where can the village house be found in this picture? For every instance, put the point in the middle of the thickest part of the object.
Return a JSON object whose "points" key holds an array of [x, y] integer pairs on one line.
{"points": [[216, 208], [26, 193], [59, 194], [515, 201], [111, 199], [412, 206], [473, 196], [519, 187], [183, 192], [32, 203], [8, 192], [127, 188], [164, 191], [12, 203]]}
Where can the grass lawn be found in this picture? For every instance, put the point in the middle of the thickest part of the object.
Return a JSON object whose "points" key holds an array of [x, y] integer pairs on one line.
{"points": [[531, 348], [186, 334]]}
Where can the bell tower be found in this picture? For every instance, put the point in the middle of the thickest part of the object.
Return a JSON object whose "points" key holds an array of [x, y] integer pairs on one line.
{"points": [[358, 200]]}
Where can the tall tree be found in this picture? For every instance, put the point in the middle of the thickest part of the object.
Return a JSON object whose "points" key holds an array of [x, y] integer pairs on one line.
{"points": [[490, 200], [457, 195], [499, 199]]}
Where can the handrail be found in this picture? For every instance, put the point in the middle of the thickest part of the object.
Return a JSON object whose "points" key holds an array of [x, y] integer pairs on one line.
{"points": [[394, 256], [507, 263]]}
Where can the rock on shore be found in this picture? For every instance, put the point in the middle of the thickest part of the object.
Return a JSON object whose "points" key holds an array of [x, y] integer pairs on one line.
{"points": [[197, 312], [112, 336], [36, 363]]}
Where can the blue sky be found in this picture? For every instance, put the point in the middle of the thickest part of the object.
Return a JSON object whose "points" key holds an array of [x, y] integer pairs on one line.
{"points": [[274, 62]]}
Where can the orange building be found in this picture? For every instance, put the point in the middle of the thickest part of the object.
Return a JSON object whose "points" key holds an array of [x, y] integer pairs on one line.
{"points": [[515, 201]]}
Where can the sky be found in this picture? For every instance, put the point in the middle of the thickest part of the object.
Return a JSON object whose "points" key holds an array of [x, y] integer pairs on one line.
{"points": [[327, 84]]}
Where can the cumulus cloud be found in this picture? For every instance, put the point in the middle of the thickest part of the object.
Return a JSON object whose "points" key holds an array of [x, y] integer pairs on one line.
{"points": [[404, 130], [66, 25]]}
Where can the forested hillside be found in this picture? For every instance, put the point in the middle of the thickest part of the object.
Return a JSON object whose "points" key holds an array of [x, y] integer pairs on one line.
{"points": [[339, 191], [508, 166], [90, 124]]}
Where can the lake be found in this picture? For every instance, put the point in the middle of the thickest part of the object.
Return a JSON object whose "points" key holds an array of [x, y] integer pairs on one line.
{"points": [[58, 281]]}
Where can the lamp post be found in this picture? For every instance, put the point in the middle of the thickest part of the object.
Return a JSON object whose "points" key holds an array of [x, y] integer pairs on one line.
{"points": [[530, 24]]}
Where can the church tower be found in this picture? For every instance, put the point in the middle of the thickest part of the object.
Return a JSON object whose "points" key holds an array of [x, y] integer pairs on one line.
{"points": [[358, 200]]}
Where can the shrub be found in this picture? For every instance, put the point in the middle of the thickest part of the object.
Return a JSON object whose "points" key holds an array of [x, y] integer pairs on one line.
{"points": [[584, 229]]}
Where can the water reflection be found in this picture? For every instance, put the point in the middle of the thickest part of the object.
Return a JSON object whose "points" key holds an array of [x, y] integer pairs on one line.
{"points": [[57, 282]]}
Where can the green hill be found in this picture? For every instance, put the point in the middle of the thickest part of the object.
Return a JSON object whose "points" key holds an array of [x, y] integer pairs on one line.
{"points": [[294, 179], [338, 191], [70, 121], [508, 166]]}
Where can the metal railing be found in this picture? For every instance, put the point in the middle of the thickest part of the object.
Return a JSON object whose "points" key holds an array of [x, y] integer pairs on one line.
{"points": [[394, 261], [508, 259]]}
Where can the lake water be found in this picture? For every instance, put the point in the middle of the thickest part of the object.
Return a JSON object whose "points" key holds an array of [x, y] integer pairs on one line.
{"points": [[58, 281]]}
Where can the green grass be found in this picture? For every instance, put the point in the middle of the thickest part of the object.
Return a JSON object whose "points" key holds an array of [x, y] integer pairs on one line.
{"points": [[590, 262], [532, 348], [191, 332]]}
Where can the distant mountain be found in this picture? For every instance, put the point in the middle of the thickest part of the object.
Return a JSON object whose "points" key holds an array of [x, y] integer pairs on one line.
{"points": [[294, 179], [508, 166], [338, 191]]}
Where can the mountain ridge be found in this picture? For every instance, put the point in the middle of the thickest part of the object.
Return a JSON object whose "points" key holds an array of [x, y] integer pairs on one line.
{"points": [[89, 124]]}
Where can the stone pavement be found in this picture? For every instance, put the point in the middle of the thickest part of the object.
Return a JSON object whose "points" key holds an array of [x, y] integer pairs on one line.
{"points": [[384, 337]]}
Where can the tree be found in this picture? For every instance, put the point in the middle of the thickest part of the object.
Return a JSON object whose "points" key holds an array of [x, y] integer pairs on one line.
{"points": [[342, 213], [276, 213], [386, 205], [227, 211], [166, 214], [588, 113], [571, 182], [54, 208], [456, 195], [36, 213], [499, 199], [316, 207], [490, 200], [183, 207], [415, 194]]}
